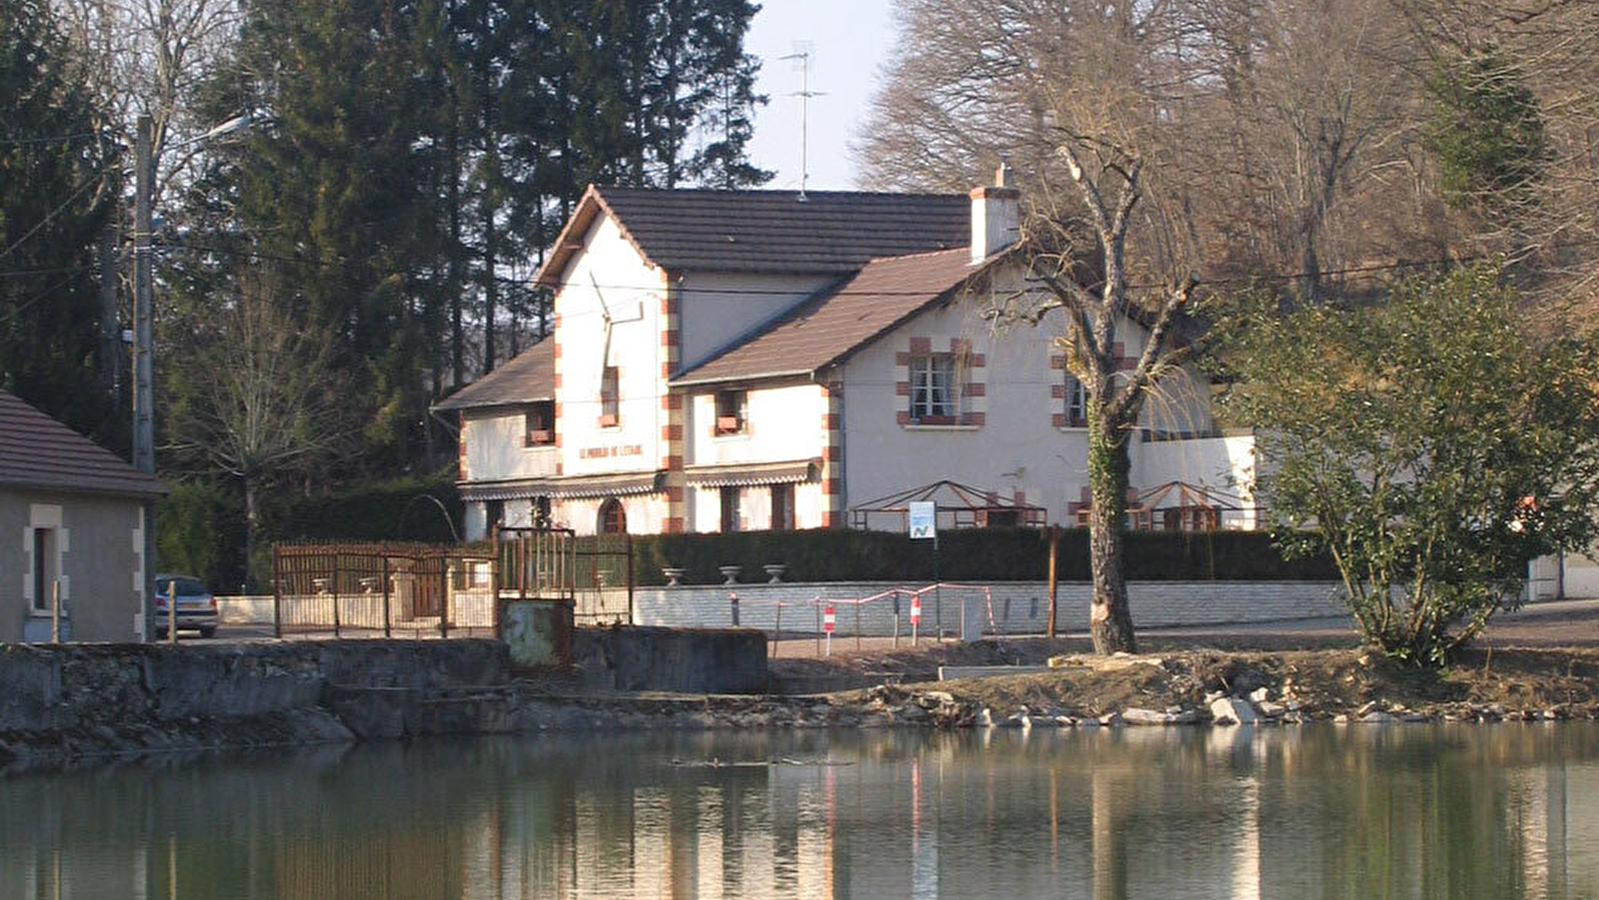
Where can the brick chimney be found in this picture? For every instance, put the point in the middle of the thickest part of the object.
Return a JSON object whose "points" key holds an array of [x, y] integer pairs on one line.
{"points": [[996, 213]]}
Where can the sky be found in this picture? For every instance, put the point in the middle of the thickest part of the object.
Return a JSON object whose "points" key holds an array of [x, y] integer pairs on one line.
{"points": [[850, 40]]}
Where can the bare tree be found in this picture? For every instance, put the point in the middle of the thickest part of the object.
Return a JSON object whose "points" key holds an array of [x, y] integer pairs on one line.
{"points": [[257, 397], [149, 56], [1077, 263]]}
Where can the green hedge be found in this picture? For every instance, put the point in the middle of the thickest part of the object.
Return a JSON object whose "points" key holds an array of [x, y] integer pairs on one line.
{"points": [[971, 554]]}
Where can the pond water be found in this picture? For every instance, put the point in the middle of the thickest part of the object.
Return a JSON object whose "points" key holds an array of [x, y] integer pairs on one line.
{"points": [[1501, 811]]}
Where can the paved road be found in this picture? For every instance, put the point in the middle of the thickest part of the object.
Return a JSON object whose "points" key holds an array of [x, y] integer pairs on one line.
{"points": [[1549, 623]]}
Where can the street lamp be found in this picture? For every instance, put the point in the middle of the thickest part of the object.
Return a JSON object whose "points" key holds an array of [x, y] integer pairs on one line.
{"points": [[144, 326]]}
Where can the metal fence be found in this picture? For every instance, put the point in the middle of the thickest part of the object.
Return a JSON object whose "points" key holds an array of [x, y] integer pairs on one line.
{"points": [[382, 590], [558, 564]]}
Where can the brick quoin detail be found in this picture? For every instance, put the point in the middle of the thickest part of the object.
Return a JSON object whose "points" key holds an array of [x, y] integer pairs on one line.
{"points": [[902, 389], [1057, 362], [1058, 391], [921, 345], [832, 454], [903, 417], [978, 361], [960, 346], [674, 493], [901, 358], [674, 524], [976, 389], [462, 448], [1058, 420], [834, 487]]}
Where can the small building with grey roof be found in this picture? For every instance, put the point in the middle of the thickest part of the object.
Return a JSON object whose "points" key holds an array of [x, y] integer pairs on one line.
{"points": [[72, 519]]}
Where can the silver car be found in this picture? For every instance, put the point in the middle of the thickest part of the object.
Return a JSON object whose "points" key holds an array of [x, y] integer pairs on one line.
{"points": [[197, 608]]}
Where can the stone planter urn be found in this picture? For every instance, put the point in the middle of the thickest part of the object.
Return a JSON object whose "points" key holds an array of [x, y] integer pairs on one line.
{"points": [[730, 573], [672, 575], [774, 572]]}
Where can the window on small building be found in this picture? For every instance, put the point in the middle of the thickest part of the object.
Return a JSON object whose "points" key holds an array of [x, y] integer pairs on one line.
{"points": [[610, 397], [729, 509], [731, 412], [538, 424], [934, 399], [493, 514], [44, 565], [613, 518], [782, 507], [1076, 403]]}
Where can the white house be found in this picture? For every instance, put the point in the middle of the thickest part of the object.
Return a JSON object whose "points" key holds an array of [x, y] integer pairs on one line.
{"points": [[727, 360]]}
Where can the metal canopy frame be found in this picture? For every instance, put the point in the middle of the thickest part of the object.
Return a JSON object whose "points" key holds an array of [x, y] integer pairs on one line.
{"points": [[976, 507]]}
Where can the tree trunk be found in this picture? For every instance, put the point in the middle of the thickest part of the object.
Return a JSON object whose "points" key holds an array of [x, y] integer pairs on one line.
{"points": [[1110, 621], [252, 519]]}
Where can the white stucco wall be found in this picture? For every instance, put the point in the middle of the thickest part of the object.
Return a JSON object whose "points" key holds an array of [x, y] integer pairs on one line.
{"points": [[494, 450], [784, 422], [631, 289], [1018, 447], [716, 308]]}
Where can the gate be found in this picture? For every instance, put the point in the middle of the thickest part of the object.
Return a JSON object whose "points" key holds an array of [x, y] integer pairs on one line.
{"points": [[381, 590], [593, 572]]}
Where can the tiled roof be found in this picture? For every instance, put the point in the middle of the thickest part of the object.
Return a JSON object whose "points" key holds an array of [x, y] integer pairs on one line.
{"points": [[828, 328], [37, 452], [829, 232], [526, 377]]}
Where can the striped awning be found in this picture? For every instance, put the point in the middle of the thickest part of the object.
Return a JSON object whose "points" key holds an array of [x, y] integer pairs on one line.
{"points": [[753, 473], [572, 486]]}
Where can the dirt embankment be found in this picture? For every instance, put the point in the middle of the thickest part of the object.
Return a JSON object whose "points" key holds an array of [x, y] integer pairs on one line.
{"points": [[1182, 687]]}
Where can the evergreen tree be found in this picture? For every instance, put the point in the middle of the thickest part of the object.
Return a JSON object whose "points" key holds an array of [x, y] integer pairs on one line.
{"points": [[54, 198]]}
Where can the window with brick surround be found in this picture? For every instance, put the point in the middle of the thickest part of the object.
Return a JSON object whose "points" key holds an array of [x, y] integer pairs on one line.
{"points": [[610, 397], [1076, 403], [538, 424], [731, 412], [935, 399]]}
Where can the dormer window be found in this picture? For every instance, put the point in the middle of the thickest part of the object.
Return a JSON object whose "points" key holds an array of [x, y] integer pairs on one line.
{"points": [[610, 397], [732, 412], [538, 424]]}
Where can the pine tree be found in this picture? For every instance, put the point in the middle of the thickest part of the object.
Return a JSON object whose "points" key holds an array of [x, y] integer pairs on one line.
{"points": [[54, 199]]}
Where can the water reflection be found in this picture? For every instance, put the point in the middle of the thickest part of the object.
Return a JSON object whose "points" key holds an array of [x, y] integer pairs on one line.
{"points": [[1497, 811]]}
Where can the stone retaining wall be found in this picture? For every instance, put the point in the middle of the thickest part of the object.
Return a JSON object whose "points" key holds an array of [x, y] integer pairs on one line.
{"points": [[75, 686], [1018, 607]]}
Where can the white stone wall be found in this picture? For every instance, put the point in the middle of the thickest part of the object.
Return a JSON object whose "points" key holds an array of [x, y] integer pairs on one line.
{"points": [[1017, 607]]}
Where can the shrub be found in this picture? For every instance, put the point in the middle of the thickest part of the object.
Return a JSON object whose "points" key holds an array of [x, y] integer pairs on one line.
{"points": [[974, 554]]}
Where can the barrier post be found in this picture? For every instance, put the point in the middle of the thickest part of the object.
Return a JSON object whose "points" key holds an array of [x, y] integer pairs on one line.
{"points": [[777, 632], [896, 618], [818, 604], [55, 611], [857, 624], [732, 599], [386, 594]]}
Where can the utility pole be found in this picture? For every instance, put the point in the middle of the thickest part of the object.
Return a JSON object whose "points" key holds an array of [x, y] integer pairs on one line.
{"points": [[143, 307], [143, 365]]}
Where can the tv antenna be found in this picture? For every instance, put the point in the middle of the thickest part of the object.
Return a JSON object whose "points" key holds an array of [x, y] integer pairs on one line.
{"points": [[802, 56]]}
